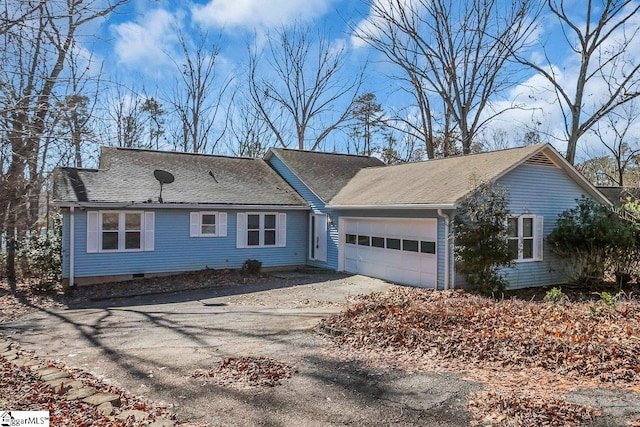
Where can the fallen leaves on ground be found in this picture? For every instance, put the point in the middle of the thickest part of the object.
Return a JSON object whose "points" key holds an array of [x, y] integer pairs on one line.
{"points": [[512, 345], [565, 339], [529, 410], [19, 299], [23, 391], [248, 372]]}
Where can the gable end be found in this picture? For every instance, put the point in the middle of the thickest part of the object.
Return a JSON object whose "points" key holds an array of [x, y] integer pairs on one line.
{"points": [[541, 159]]}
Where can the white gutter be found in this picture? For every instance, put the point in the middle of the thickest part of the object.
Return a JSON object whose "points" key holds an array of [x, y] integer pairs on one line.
{"points": [[395, 206], [144, 205], [71, 247], [447, 247]]}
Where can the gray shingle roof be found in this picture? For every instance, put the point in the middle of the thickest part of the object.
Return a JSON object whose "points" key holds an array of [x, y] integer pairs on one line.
{"points": [[618, 195], [440, 182], [324, 173], [126, 175]]}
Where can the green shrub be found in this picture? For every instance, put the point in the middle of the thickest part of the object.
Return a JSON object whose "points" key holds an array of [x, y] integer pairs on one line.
{"points": [[480, 235], [40, 257], [608, 299], [592, 240], [252, 266], [555, 295]]}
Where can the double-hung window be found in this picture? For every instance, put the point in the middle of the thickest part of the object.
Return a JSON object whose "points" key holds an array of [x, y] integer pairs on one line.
{"points": [[261, 229], [207, 224], [525, 238], [120, 231]]}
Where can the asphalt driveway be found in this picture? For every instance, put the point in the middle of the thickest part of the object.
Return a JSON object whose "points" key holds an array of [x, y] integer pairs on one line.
{"points": [[151, 345]]}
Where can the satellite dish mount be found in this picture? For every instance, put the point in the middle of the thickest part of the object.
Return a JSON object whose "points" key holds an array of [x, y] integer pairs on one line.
{"points": [[163, 177]]}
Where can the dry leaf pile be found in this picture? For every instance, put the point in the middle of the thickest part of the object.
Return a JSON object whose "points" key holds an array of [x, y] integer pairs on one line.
{"points": [[529, 410], [248, 372], [21, 390], [571, 340]]}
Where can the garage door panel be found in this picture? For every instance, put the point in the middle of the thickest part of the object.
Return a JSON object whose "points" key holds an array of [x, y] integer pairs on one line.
{"points": [[402, 266]]}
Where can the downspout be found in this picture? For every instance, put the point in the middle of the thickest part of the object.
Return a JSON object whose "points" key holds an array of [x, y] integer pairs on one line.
{"points": [[447, 248], [71, 246]]}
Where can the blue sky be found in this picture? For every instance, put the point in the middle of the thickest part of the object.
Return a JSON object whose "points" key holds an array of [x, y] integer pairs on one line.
{"points": [[136, 45]]}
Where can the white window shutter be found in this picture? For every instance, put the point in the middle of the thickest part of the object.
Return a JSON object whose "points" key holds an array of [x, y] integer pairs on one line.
{"points": [[194, 224], [241, 230], [93, 217], [539, 239], [222, 224], [149, 230], [282, 230]]}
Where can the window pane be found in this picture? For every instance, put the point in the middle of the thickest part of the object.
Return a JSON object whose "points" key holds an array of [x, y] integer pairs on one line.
{"points": [[253, 222], [513, 227], [208, 229], [428, 247], [527, 227], [269, 237], [208, 224], [270, 222], [377, 242], [363, 240], [527, 248], [513, 248], [410, 245], [110, 221], [208, 219], [351, 239], [253, 238], [132, 240], [393, 244], [109, 240], [132, 221]]}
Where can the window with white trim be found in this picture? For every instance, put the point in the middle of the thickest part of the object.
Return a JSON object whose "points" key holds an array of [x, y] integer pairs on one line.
{"points": [[525, 238], [207, 224], [261, 229], [120, 231]]}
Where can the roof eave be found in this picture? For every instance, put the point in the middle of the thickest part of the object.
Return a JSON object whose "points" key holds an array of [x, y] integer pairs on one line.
{"points": [[272, 153], [398, 206], [146, 205]]}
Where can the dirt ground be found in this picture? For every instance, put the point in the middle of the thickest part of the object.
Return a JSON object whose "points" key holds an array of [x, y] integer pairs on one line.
{"points": [[151, 345]]}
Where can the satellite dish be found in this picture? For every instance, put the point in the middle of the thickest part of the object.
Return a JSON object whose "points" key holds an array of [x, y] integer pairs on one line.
{"points": [[163, 177]]}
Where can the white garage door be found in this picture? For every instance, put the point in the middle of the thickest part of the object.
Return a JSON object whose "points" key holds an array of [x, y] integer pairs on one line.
{"points": [[394, 249]]}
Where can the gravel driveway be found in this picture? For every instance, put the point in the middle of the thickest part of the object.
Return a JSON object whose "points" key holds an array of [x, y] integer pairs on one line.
{"points": [[151, 345]]}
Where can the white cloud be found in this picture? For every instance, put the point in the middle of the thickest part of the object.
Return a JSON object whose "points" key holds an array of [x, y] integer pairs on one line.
{"points": [[145, 43], [372, 24], [258, 13]]}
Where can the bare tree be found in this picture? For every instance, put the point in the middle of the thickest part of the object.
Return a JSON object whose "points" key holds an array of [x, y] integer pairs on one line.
{"points": [[249, 135], [452, 53], [198, 96], [300, 86], [616, 133], [33, 57], [125, 120], [600, 36]]}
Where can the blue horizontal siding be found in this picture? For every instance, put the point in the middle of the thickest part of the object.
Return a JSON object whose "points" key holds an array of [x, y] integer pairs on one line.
{"points": [[317, 206], [175, 251], [546, 191]]}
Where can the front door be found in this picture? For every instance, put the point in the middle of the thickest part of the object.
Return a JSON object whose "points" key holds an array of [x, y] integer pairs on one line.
{"points": [[318, 237]]}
